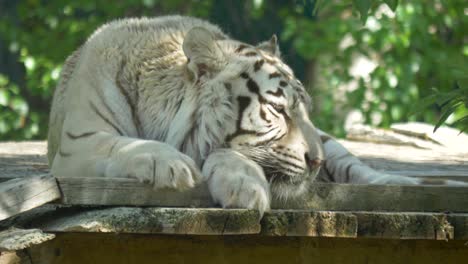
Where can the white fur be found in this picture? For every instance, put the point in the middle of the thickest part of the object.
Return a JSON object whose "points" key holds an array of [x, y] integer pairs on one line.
{"points": [[153, 99], [112, 56], [236, 181]]}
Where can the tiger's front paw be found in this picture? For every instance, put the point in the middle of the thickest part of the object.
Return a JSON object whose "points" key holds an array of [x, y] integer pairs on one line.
{"points": [[179, 173], [241, 191], [237, 183], [161, 168]]}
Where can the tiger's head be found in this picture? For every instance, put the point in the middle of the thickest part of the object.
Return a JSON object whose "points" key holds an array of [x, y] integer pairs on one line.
{"points": [[269, 120]]}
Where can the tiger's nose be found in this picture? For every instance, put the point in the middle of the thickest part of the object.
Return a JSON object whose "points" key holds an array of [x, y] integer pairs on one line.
{"points": [[314, 163]]}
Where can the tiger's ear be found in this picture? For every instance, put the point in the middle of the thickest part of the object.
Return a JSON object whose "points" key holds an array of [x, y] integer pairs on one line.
{"points": [[202, 52], [270, 46]]}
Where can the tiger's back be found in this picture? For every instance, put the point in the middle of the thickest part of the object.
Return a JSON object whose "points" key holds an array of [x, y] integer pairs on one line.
{"points": [[133, 54]]}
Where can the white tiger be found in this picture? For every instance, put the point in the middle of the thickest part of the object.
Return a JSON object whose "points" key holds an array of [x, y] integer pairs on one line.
{"points": [[157, 99]]}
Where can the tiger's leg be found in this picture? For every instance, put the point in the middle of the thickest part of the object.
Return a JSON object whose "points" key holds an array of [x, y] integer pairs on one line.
{"points": [[102, 154], [235, 181], [343, 167], [100, 137]]}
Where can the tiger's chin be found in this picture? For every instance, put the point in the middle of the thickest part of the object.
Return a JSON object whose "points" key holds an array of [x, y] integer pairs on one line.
{"points": [[285, 187]]}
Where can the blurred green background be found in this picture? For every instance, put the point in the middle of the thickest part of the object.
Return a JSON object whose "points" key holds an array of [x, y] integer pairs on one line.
{"points": [[375, 59]]}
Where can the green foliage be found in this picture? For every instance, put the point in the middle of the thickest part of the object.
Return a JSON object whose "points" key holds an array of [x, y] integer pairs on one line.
{"points": [[40, 36], [364, 6], [14, 112], [378, 57], [451, 103], [384, 67]]}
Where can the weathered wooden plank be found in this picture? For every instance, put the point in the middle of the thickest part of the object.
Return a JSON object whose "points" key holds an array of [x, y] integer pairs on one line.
{"points": [[14, 239], [399, 198], [198, 221], [452, 169], [309, 223], [404, 225], [460, 223], [455, 175], [22, 194], [185, 221], [384, 225], [22, 159], [323, 196], [125, 191]]}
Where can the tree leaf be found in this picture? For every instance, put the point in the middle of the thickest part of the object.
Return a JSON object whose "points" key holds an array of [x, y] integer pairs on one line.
{"points": [[423, 104], [449, 98], [392, 4], [462, 121], [363, 7], [444, 116], [309, 7]]}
